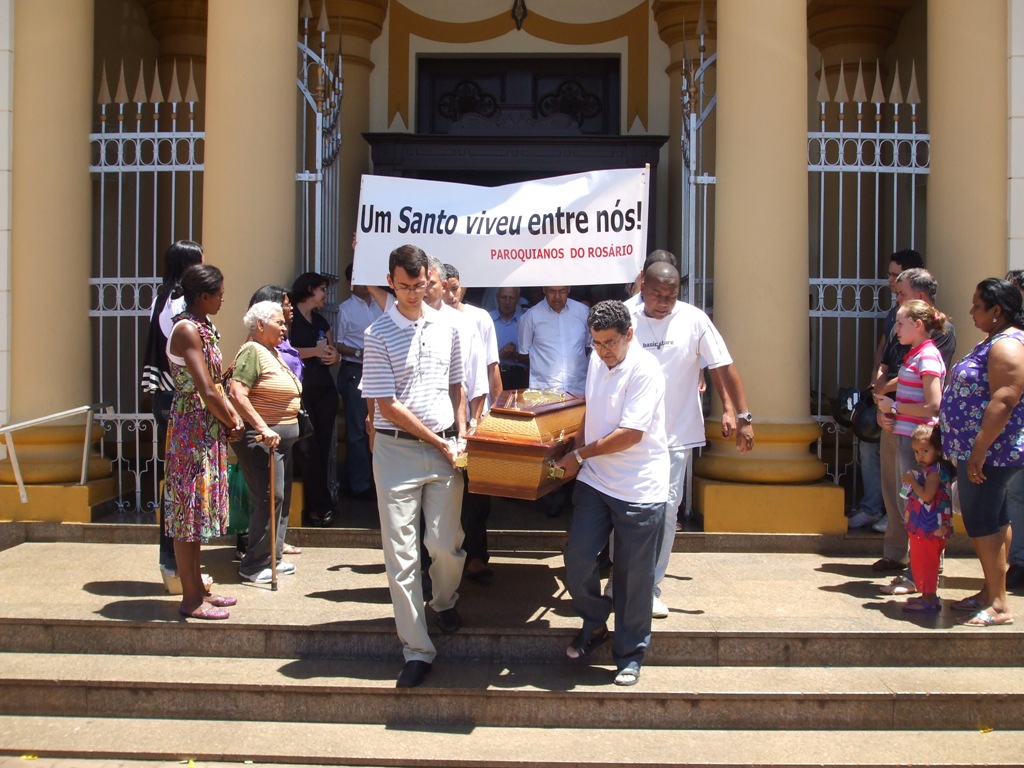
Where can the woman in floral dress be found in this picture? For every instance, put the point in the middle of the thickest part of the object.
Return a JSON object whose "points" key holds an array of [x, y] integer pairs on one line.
{"points": [[201, 423]]}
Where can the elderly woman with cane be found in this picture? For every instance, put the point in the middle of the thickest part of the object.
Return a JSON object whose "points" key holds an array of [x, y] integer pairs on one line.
{"points": [[268, 396]]}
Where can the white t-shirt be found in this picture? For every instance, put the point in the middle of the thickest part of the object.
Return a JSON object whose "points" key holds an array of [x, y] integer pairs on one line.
{"points": [[630, 395], [172, 308], [473, 365], [485, 327], [557, 345], [683, 343]]}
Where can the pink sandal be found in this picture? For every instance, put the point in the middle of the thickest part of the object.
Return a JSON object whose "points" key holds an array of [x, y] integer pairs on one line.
{"points": [[211, 614]]}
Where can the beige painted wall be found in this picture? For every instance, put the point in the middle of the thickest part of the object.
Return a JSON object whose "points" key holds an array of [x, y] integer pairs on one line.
{"points": [[1015, 255], [6, 104]]}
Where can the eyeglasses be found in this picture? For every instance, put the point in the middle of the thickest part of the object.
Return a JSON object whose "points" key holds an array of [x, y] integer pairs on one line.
{"points": [[608, 346], [894, 275], [417, 288]]}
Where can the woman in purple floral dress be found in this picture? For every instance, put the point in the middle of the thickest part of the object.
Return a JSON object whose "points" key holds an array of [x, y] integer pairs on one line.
{"points": [[982, 421], [201, 423]]}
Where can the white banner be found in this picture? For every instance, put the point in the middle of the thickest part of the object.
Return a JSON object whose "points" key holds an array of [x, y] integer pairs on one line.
{"points": [[583, 229]]}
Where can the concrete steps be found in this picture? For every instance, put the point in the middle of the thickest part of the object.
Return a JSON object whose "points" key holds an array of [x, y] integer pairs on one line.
{"points": [[397, 745], [374, 640], [790, 658], [473, 694]]}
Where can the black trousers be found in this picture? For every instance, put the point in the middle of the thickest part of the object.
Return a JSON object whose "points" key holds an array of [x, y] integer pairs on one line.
{"points": [[314, 454], [162, 412], [476, 508]]}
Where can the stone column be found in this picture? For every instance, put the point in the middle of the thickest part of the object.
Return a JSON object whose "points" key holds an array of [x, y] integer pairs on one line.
{"points": [[677, 27], [761, 276], [967, 117], [249, 194], [53, 106], [51, 245], [359, 22]]}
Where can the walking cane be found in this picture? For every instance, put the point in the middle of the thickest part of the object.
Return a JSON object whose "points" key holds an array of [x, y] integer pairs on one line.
{"points": [[273, 528]]}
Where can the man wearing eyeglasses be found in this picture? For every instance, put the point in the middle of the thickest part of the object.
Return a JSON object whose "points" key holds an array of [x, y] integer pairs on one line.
{"points": [[621, 458], [553, 339], [412, 373]]}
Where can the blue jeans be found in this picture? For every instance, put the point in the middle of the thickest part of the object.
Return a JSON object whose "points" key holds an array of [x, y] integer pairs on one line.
{"points": [[357, 444], [871, 475], [637, 530]]}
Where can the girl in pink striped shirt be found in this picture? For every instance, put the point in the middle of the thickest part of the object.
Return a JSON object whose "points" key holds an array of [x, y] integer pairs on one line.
{"points": [[918, 393]]}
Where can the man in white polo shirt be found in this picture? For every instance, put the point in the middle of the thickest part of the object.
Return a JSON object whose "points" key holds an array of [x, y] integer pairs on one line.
{"points": [[622, 461], [684, 341], [412, 372], [553, 337]]}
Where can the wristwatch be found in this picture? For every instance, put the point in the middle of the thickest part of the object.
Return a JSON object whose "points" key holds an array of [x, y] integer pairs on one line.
{"points": [[358, 354], [579, 459], [893, 409], [747, 417]]}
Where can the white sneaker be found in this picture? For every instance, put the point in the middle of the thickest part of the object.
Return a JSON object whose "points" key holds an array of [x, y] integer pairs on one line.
{"points": [[172, 582], [900, 585], [862, 518], [881, 525], [264, 576], [658, 608]]}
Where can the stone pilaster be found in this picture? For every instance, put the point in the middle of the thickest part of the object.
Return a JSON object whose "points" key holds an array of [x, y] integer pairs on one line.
{"points": [[51, 235], [761, 275], [53, 100], [359, 23], [677, 27], [249, 182]]}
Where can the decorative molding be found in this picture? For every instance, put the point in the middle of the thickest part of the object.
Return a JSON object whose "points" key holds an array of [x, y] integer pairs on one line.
{"points": [[678, 20], [357, 18], [467, 98], [832, 23], [571, 99], [405, 23]]}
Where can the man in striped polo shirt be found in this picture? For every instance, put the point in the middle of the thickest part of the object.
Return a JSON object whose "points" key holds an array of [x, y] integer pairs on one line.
{"points": [[412, 372]]}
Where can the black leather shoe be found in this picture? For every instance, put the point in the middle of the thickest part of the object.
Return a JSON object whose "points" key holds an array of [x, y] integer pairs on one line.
{"points": [[449, 621], [413, 673]]}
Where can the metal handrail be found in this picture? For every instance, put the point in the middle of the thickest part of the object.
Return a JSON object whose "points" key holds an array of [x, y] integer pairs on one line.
{"points": [[9, 430]]}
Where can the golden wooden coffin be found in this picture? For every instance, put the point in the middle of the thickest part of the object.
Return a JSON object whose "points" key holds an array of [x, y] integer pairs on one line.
{"points": [[509, 453]]}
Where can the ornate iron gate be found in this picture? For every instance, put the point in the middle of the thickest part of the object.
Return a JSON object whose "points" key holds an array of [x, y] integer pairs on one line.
{"points": [[319, 178], [866, 162], [147, 166]]}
